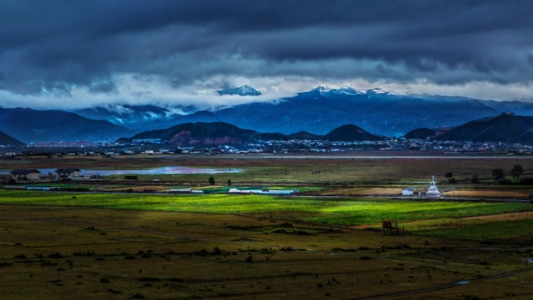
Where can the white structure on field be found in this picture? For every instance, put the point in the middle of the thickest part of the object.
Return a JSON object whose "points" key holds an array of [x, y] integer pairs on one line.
{"points": [[263, 192], [408, 191], [433, 191]]}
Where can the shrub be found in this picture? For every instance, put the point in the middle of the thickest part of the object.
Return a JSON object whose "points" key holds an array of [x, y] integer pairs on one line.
{"points": [[498, 174], [526, 181], [517, 171], [504, 181]]}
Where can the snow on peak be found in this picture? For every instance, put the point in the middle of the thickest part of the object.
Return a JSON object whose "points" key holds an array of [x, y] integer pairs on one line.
{"points": [[377, 91], [348, 91], [244, 90], [324, 90], [118, 109], [321, 89]]}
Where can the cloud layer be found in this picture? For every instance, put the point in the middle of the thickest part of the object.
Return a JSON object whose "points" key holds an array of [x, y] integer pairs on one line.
{"points": [[181, 52]]}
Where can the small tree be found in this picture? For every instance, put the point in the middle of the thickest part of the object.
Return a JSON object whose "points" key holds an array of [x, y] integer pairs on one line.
{"points": [[211, 180], [229, 181], [517, 171], [449, 175], [475, 178], [498, 174]]}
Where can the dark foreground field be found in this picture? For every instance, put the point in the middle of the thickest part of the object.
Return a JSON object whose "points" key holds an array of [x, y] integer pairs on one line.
{"points": [[69, 252], [142, 246]]}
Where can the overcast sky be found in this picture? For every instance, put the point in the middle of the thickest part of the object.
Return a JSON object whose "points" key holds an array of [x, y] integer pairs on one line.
{"points": [[71, 54]]}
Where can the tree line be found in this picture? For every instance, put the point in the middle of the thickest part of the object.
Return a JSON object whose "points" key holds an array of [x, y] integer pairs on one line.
{"points": [[498, 175]]}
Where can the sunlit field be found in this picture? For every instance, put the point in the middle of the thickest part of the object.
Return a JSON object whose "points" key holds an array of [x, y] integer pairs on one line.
{"points": [[346, 212]]}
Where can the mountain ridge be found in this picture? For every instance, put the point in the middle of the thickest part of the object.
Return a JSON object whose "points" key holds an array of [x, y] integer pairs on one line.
{"points": [[506, 127], [7, 140], [321, 109], [221, 133], [318, 111], [28, 125], [244, 90]]}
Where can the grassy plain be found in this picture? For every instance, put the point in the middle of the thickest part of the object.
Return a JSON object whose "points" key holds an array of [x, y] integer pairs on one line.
{"points": [[326, 244]]}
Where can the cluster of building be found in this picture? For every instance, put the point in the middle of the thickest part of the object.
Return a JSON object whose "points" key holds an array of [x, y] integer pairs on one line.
{"points": [[238, 191], [395, 144], [31, 175], [263, 192]]}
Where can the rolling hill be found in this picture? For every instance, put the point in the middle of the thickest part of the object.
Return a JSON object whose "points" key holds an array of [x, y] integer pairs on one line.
{"points": [[8, 140], [221, 133], [420, 133], [350, 132], [217, 133], [507, 127]]}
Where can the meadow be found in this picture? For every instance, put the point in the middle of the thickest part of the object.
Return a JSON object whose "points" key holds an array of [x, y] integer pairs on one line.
{"points": [[321, 210], [114, 243]]}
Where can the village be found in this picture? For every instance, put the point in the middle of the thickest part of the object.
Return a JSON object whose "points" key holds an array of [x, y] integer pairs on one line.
{"points": [[152, 147]]}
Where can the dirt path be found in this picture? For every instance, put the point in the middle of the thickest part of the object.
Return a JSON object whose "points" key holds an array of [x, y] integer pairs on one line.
{"points": [[494, 218], [445, 286], [503, 217]]}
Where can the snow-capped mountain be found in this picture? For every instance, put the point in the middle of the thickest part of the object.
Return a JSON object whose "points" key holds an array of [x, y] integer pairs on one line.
{"points": [[316, 111], [322, 108], [327, 91], [244, 90], [319, 110]]}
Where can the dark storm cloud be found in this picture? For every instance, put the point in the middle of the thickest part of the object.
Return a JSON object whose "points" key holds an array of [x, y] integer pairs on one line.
{"points": [[55, 45]]}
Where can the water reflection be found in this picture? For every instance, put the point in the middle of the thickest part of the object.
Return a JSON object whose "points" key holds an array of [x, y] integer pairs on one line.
{"points": [[154, 171]]}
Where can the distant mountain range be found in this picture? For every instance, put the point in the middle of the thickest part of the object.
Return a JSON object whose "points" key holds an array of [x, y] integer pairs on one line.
{"points": [[315, 112], [319, 111]]}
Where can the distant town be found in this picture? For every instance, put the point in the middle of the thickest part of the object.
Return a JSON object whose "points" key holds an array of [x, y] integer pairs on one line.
{"points": [[294, 146]]}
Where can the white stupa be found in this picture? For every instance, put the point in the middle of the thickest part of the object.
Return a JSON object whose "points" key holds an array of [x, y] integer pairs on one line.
{"points": [[433, 191]]}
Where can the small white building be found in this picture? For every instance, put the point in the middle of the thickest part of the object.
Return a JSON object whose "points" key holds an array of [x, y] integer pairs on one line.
{"points": [[408, 191], [263, 192], [185, 191]]}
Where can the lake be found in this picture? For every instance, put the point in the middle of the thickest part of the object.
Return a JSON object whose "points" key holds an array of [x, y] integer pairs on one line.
{"points": [[153, 171]]}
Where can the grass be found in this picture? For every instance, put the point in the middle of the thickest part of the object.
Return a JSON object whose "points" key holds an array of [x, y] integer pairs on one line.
{"points": [[371, 212], [489, 230], [54, 252], [350, 212]]}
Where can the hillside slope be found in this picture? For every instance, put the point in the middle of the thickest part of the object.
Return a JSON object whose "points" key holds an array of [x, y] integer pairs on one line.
{"points": [[506, 127], [30, 125]]}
